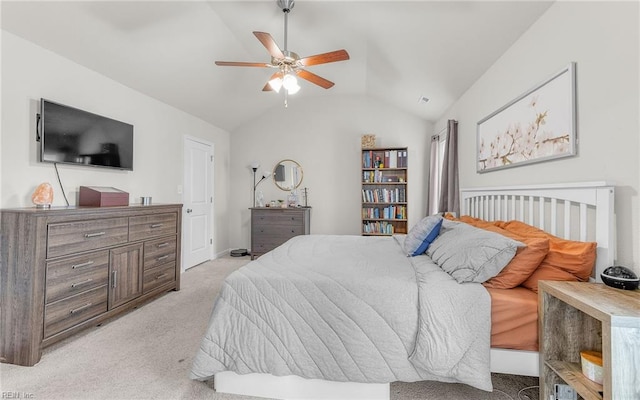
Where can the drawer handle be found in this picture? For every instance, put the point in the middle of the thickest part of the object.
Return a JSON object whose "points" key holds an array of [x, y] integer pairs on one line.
{"points": [[161, 276], [114, 275], [162, 257], [81, 265], [96, 234], [165, 244], [77, 310], [81, 283], [156, 225]]}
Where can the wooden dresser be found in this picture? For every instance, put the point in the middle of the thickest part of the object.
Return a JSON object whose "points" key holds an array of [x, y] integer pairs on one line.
{"points": [[68, 268], [272, 226]]}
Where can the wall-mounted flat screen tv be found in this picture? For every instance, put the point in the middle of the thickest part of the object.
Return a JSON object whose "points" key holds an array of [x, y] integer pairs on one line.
{"points": [[72, 136]]}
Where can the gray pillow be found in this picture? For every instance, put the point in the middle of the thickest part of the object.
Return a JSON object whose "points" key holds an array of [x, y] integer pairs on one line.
{"points": [[421, 235], [470, 254]]}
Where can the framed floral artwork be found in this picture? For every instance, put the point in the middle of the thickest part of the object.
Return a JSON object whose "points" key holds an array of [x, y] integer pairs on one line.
{"points": [[537, 126]]}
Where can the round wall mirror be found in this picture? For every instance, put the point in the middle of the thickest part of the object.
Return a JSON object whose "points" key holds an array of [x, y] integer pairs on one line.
{"points": [[287, 175]]}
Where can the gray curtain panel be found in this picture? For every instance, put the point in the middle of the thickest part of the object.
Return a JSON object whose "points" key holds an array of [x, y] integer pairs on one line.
{"points": [[434, 177], [449, 191]]}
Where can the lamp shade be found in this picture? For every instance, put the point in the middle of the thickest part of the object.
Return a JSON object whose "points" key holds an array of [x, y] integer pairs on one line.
{"points": [[276, 84], [290, 83]]}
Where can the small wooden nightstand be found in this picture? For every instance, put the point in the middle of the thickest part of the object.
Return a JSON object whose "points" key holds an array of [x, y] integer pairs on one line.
{"points": [[576, 316]]}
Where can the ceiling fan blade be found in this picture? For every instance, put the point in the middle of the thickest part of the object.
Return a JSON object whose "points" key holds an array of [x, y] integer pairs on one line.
{"points": [[241, 64], [313, 78], [268, 42], [324, 58], [268, 87]]}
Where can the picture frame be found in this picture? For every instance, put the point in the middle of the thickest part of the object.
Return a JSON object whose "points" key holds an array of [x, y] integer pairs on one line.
{"points": [[537, 126]]}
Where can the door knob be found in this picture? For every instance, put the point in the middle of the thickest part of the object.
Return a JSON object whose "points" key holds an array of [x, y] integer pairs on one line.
{"points": [[189, 210]]}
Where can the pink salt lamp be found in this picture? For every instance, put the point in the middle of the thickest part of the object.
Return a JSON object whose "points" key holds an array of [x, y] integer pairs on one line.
{"points": [[42, 197]]}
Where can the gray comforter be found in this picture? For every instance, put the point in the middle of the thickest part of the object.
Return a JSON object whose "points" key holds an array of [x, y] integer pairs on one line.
{"points": [[348, 308]]}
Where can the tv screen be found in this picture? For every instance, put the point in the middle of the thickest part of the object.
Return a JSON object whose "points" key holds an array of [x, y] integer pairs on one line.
{"points": [[72, 136]]}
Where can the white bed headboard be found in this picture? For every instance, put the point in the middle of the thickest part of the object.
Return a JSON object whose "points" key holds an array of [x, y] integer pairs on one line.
{"points": [[576, 211]]}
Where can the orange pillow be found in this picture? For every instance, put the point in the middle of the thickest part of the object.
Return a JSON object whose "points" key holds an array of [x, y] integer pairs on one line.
{"points": [[567, 260], [451, 217], [523, 264]]}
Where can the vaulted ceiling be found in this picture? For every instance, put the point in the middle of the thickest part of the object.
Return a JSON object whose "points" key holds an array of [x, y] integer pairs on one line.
{"points": [[399, 51]]}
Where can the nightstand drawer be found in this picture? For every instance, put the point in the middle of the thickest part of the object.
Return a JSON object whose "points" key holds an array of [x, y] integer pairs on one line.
{"points": [[146, 226], [71, 311], [75, 237], [76, 274], [159, 251]]}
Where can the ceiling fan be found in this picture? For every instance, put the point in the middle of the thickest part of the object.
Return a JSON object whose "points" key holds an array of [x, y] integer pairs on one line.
{"points": [[288, 64]]}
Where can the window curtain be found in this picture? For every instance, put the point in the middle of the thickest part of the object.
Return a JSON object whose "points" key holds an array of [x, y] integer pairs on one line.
{"points": [[434, 176], [449, 194]]}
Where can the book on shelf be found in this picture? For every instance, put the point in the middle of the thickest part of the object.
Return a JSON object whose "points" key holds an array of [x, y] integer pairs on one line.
{"points": [[393, 159], [391, 212], [384, 195], [384, 159], [378, 227]]}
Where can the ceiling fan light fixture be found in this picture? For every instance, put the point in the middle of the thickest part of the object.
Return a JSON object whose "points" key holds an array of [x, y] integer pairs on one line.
{"points": [[290, 83], [276, 84], [289, 65]]}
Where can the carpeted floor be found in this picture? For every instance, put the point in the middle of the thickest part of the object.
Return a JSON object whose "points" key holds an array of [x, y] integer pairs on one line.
{"points": [[147, 354]]}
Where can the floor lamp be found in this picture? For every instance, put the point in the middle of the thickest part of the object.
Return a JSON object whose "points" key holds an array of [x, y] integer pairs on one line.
{"points": [[265, 174]]}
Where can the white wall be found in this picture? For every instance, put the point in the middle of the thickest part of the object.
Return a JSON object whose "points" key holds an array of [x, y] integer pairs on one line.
{"points": [[30, 72], [324, 137], [603, 39]]}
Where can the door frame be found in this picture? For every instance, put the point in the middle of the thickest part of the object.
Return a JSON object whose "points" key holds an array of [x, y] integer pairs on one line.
{"points": [[205, 142]]}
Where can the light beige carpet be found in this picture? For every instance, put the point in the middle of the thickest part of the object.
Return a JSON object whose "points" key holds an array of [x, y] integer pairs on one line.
{"points": [[147, 354]]}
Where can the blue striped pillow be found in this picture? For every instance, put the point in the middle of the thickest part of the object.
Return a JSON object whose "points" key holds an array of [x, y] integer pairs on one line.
{"points": [[421, 235]]}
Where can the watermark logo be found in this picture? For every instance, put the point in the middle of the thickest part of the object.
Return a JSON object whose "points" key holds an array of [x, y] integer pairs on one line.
{"points": [[16, 395]]}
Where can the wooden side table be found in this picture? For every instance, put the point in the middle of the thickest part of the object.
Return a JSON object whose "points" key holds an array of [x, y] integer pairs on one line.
{"points": [[576, 316]]}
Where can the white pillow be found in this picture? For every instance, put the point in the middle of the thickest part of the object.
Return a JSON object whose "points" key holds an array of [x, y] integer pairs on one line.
{"points": [[421, 235]]}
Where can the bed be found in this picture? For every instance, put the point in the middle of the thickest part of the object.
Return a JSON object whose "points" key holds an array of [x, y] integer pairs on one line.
{"points": [[297, 324]]}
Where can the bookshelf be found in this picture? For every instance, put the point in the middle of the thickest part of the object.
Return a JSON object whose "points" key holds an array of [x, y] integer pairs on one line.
{"points": [[384, 191]]}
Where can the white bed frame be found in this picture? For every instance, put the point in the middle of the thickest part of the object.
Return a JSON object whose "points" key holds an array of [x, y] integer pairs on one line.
{"points": [[576, 211]]}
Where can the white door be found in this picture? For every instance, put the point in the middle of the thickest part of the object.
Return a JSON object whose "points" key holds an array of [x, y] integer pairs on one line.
{"points": [[197, 211]]}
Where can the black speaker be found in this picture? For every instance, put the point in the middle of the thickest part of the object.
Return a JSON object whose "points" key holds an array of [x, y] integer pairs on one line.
{"points": [[620, 278]]}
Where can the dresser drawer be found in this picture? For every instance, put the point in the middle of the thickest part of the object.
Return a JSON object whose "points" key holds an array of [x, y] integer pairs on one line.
{"points": [[257, 249], [78, 236], [279, 231], [267, 242], [73, 310], [146, 226], [264, 217], [76, 274], [159, 251], [156, 277]]}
